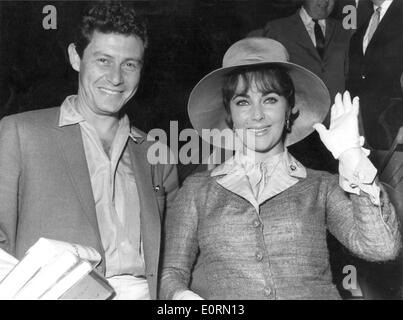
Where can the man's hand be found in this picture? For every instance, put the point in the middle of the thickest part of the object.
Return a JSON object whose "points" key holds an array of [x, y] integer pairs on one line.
{"points": [[343, 133]]}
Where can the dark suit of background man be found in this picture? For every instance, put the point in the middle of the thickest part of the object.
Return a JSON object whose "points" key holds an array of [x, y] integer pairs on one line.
{"points": [[80, 172], [376, 64], [315, 41]]}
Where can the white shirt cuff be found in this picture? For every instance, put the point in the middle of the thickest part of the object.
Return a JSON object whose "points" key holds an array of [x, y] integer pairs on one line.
{"points": [[362, 178]]}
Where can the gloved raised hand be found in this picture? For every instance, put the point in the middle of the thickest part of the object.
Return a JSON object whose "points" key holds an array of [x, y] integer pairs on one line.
{"points": [[343, 133]]}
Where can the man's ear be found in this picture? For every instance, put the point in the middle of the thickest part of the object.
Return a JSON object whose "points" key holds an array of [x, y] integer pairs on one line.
{"points": [[74, 57]]}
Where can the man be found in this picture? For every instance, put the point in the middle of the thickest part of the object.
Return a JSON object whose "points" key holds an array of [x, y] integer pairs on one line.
{"points": [[376, 63], [315, 41], [80, 172]]}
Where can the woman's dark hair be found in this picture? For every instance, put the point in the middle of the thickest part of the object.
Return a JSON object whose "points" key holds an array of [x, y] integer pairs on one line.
{"points": [[267, 79], [109, 17]]}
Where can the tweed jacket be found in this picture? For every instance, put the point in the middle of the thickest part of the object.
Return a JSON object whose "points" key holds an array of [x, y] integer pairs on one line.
{"points": [[217, 245], [45, 188]]}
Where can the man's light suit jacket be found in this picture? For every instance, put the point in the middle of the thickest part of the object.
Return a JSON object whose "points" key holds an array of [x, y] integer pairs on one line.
{"points": [[45, 188]]}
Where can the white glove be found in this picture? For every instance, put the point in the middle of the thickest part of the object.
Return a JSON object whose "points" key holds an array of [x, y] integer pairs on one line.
{"points": [[343, 133]]}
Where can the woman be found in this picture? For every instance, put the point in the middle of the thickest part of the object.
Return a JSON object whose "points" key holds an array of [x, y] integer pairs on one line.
{"points": [[255, 226]]}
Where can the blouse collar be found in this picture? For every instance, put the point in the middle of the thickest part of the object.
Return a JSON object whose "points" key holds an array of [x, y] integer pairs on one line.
{"points": [[293, 167], [257, 182]]}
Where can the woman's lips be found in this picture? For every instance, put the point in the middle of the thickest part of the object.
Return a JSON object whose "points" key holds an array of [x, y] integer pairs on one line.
{"points": [[259, 131]]}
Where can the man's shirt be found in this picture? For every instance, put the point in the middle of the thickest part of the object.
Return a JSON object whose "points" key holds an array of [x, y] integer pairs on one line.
{"points": [[115, 194]]}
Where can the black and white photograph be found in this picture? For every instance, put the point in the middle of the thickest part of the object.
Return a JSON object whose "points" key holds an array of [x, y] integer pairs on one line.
{"points": [[203, 150]]}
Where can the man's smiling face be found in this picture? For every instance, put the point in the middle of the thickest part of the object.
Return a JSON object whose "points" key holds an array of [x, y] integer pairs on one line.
{"points": [[109, 72]]}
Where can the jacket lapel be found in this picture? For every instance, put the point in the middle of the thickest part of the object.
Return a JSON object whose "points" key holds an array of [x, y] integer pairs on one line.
{"points": [[360, 36], [239, 184], [389, 19], [150, 220], [72, 151], [330, 29], [302, 36]]}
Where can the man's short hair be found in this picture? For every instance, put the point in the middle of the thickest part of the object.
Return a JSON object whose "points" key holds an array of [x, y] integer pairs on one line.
{"points": [[109, 17]]}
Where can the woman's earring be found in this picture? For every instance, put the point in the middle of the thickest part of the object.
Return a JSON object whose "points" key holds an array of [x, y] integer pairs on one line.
{"points": [[288, 125]]}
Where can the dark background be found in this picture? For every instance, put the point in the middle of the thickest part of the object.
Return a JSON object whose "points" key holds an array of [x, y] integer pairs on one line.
{"points": [[187, 40]]}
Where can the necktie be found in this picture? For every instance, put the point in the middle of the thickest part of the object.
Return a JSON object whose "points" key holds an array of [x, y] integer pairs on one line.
{"points": [[375, 19], [319, 37]]}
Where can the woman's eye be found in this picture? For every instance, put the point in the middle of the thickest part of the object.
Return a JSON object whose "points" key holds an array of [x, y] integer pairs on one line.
{"points": [[270, 100], [241, 103]]}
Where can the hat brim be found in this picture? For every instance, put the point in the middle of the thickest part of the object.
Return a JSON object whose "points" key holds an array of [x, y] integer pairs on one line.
{"points": [[312, 102]]}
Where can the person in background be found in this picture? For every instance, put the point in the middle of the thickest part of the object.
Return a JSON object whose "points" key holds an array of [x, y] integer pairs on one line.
{"points": [[255, 226], [79, 172], [315, 41], [376, 64]]}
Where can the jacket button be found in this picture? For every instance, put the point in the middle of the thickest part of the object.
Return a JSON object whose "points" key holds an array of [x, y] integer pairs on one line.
{"points": [[363, 76], [256, 223], [267, 292], [259, 256]]}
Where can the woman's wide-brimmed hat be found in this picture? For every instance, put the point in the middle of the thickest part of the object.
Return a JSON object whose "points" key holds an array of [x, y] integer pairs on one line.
{"points": [[312, 99]]}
